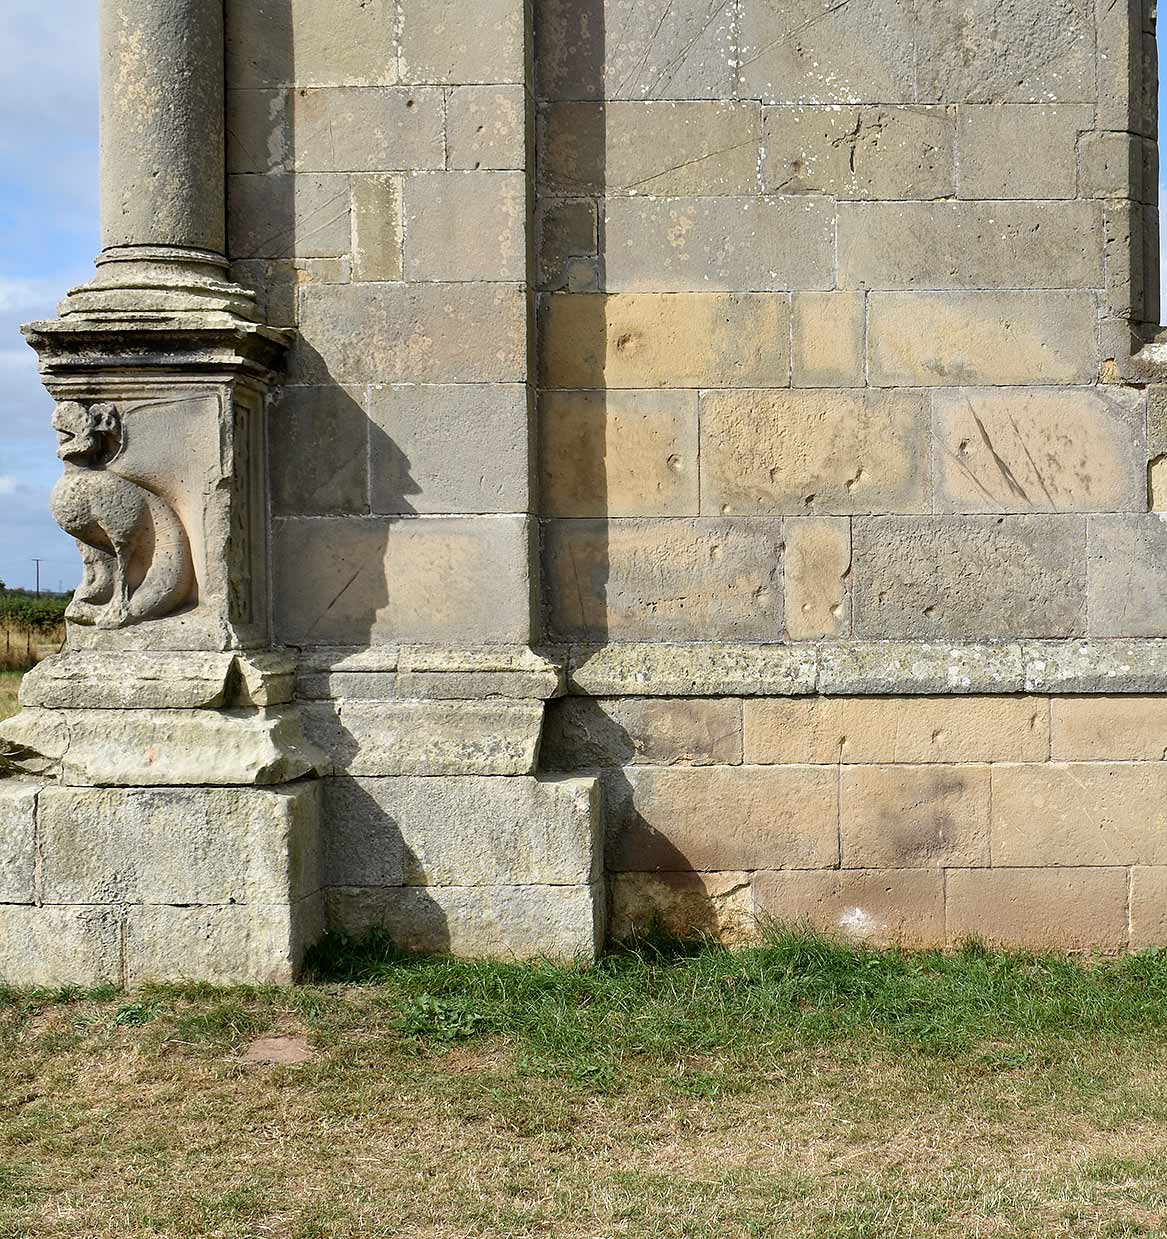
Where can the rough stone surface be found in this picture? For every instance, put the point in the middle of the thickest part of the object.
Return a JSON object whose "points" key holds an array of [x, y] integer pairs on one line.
{"points": [[630, 580], [816, 577], [897, 906], [503, 922], [721, 817], [810, 452], [486, 128], [319, 451], [94, 680], [383, 129], [18, 801], [920, 667], [45, 946], [378, 228], [1096, 666], [969, 576], [984, 131], [706, 670], [827, 339], [584, 732], [465, 226], [1148, 910], [1106, 728], [463, 831], [682, 905], [1128, 576], [438, 43]]}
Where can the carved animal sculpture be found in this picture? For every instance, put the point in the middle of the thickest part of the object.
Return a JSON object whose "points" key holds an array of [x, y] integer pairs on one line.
{"points": [[119, 526]]}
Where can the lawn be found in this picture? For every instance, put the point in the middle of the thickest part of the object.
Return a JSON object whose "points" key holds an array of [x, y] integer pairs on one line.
{"points": [[9, 683], [797, 1089]]}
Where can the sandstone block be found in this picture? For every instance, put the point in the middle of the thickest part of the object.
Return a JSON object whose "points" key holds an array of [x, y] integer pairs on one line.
{"points": [[816, 577], [319, 445], [678, 50], [378, 129], [427, 737], [860, 153], [1126, 70], [666, 149], [802, 52], [1110, 166], [863, 730], [586, 732], [682, 905], [341, 685], [346, 43], [466, 226], [901, 906], [1148, 910], [59, 946], [986, 132], [1039, 909], [501, 922], [462, 832], [568, 232], [247, 945], [481, 671], [259, 130], [286, 216], [921, 667], [1096, 666], [379, 333], [18, 800], [434, 578], [179, 845], [721, 818], [969, 577], [912, 817], [935, 245], [950, 338], [827, 339], [815, 451], [155, 748], [711, 669], [620, 453], [441, 42], [1128, 576], [666, 340], [486, 127], [378, 233], [679, 244], [1102, 813], [644, 580], [1110, 728], [1039, 449], [276, 282], [426, 448], [94, 680]]}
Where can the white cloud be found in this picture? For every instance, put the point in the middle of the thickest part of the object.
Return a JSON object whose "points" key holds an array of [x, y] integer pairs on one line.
{"points": [[8, 484]]}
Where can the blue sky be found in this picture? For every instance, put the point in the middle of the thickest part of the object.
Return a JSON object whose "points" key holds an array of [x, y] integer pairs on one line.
{"points": [[48, 238]]}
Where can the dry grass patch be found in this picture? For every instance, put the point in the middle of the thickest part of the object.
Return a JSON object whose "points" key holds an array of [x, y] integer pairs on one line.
{"points": [[9, 684], [797, 1090]]}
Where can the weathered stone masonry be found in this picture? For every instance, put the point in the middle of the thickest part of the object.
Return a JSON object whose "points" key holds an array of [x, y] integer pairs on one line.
{"points": [[544, 469]]}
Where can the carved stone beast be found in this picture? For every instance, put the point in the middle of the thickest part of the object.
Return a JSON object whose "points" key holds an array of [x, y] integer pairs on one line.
{"points": [[134, 549]]}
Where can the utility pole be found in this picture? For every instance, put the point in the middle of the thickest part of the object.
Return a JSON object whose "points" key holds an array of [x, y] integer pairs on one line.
{"points": [[38, 563]]}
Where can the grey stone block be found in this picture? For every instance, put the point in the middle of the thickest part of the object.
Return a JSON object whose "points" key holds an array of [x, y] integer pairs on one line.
{"points": [[567, 231], [259, 130], [665, 49], [709, 669], [679, 244], [378, 228], [466, 226], [486, 128], [46, 946], [379, 129], [319, 446], [341, 685], [917, 667], [1095, 666], [286, 216], [94, 680], [462, 832], [441, 41], [644, 580], [434, 578], [386, 333], [516, 672], [382, 738], [1128, 576], [581, 733], [501, 922], [179, 845], [969, 576], [18, 804], [989, 137], [888, 152], [935, 245], [1110, 165]]}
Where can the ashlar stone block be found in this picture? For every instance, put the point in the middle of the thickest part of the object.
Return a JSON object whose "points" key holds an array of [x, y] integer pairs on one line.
{"points": [[287, 216], [259, 130], [813, 451], [441, 42], [319, 447], [1127, 727], [378, 231], [46, 946], [988, 135], [970, 576], [828, 339], [860, 153], [18, 802], [1079, 450], [618, 453], [380, 129], [643, 580], [817, 577], [1128, 576], [717, 905], [466, 226], [568, 232], [486, 128], [708, 669], [1148, 907]]}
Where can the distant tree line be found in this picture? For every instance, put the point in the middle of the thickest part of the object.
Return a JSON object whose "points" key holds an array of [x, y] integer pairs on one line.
{"points": [[29, 612]]}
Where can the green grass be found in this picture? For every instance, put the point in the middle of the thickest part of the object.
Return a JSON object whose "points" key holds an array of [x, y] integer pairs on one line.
{"points": [[800, 1089]]}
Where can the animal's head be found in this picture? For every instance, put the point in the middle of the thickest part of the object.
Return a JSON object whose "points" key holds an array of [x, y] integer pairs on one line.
{"points": [[85, 435]]}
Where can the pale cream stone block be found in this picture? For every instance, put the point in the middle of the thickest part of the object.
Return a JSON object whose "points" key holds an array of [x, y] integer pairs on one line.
{"points": [[828, 339], [486, 128], [1081, 814], [618, 453], [666, 340], [1040, 450], [1128, 575], [938, 339], [1148, 911], [883, 907], [814, 451], [377, 228], [1102, 728], [991, 137], [911, 817], [683, 905], [47, 947], [18, 805], [379, 129], [1039, 909], [441, 41], [816, 577], [466, 226], [722, 818]]}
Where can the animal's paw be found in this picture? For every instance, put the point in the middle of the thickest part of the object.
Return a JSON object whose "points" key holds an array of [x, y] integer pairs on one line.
{"points": [[115, 615]]}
